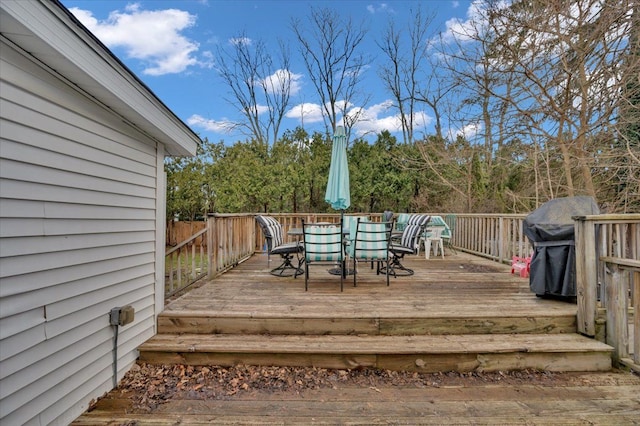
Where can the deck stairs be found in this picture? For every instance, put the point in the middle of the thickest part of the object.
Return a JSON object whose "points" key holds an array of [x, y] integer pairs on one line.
{"points": [[458, 314]]}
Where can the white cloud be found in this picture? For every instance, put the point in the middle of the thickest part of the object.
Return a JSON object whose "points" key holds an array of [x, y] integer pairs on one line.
{"points": [[262, 109], [469, 132], [224, 126], [381, 7], [221, 126], [305, 113], [207, 61], [153, 36], [240, 41], [464, 30], [376, 119], [278, 79]]}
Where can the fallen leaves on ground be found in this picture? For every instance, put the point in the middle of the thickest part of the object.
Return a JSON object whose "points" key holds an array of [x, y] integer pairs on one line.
{"points": [[148, 385]]}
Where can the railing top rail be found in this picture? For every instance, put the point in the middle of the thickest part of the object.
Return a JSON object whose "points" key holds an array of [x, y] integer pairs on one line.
{"points": [[487, 215], [185, 242], [232, 214], [627, 217], [630, 263], [496, 215]]}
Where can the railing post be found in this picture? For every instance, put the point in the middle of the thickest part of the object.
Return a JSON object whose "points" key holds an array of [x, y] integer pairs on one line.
{"points": [[586, 275], [211, 264], [616, 305], [502, 237], [636, 317]]}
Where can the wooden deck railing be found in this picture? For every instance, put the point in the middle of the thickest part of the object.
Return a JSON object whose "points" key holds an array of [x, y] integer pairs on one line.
{"points": [[495, 236], [498, 237], [185, 264], [231, 240], [608, 281]]}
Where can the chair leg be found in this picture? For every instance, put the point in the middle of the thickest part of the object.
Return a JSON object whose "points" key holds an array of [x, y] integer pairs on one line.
{"points": [[286, 268], [387, 271], [355, 271], [299, 269], [397, 269]]}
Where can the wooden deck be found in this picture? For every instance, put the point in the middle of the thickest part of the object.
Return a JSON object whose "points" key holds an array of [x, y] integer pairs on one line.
{"points": [[462, 313], [461, 291]]}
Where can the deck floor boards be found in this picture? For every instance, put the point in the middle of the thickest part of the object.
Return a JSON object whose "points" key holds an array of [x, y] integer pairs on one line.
{"points": [[458, 286]]}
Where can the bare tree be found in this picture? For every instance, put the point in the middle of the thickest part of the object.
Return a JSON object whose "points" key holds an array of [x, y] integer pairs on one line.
{"points": [[466, 92], [435, 96], [568, 53], [329, 45], [548, 72], [260, 85], [627, 142], [405, 72]]}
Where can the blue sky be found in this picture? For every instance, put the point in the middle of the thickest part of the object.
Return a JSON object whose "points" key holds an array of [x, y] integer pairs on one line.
{"points": [[171, 45]]}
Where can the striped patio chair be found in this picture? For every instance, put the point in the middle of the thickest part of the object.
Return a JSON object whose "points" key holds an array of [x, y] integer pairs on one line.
{"points": [[408, 243], [450, 219], [371, 244], [402, 221], [323, 245], [272, 230]]}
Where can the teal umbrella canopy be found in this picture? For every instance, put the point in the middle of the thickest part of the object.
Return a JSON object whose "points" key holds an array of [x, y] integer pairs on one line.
{"points": [[338, 192]]}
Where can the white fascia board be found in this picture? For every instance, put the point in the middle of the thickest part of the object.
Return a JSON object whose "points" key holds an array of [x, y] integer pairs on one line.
{"points": [[47, 31]]}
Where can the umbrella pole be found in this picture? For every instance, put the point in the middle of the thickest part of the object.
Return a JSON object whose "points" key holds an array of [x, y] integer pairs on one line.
{"points": [[340, 270], [343, 269]]}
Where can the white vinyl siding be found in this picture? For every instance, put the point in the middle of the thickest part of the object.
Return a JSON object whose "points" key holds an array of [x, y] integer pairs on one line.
{"points": [[78, 236]]}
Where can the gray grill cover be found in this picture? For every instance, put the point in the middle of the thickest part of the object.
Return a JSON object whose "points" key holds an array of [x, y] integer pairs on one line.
{"points": [[550, 229]]}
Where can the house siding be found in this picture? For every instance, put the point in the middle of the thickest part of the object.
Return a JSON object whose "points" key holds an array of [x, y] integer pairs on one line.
{"points": [[79, 192]]}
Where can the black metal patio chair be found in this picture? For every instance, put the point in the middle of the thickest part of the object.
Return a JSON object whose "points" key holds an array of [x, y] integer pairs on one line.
{"points": [[272, 230], [408, 244]]}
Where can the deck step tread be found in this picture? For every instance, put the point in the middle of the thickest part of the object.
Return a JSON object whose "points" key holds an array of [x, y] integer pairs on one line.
{"points": [[392, 313], [374, 344]]}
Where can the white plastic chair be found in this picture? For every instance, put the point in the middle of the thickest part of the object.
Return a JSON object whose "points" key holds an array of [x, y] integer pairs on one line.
{"points": [[433, 238]]}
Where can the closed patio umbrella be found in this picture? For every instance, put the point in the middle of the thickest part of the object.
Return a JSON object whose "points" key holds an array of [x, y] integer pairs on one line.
{"points": [[338, 192]]}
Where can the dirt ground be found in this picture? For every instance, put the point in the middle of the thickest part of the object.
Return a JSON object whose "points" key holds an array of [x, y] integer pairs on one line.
{"points": [[149, 386]]}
